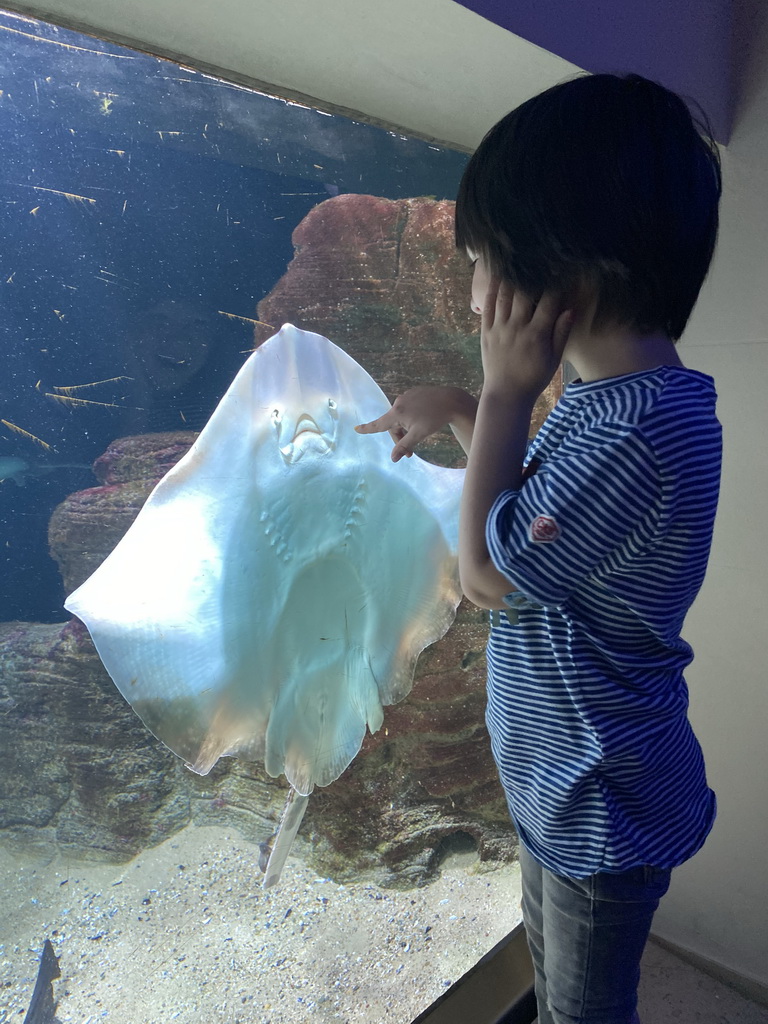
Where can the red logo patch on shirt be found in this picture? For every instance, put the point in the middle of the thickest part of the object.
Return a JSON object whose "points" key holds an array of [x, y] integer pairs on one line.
{"points": [[543, 530]]}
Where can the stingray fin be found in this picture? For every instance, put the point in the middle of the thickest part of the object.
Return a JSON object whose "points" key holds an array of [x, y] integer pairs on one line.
{"points": [[293, 812]]}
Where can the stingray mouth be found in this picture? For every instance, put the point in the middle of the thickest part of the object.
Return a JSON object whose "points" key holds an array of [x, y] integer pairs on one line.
{"points": [[306, 425], [307, 437]]}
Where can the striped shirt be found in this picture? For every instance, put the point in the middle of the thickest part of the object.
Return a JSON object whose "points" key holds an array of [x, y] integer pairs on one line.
{"points": [[606, 545]]}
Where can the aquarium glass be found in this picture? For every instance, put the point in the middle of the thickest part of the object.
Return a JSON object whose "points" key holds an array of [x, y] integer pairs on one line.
{"points": [[158, 224]]}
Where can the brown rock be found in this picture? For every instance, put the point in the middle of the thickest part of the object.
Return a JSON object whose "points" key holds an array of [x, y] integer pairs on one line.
{"points": [[143, 459], [383, 280]]}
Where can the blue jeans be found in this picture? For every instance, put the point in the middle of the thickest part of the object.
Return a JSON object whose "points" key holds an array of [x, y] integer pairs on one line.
{"points": [[586, 938]]}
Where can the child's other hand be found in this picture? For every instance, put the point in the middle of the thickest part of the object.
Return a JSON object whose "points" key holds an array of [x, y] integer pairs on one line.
{"points": [[522, 342], [417, 413]]}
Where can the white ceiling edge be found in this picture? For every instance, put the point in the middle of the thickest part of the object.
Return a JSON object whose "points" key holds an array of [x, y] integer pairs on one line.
{"points": [[429, 67]]}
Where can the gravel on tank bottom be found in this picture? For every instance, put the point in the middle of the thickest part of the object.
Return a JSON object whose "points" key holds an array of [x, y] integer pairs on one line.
{"points": [[185, 933]]}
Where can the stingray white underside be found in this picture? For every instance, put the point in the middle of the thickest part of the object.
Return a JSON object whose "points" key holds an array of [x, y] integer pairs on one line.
{"points": [[279, 583]]}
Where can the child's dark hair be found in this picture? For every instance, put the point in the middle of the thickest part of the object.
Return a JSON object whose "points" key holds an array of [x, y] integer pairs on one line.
{"points": [[605, 181]]}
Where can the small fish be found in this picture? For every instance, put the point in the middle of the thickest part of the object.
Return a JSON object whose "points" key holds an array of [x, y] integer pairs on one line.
{"points": [[67, 400], [247, 319], [42, 1009], [79, 387], [20, 470], [25, 433], [13, 468], [64, 395]]}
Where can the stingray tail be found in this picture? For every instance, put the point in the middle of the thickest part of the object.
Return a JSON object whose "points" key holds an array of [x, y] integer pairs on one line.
{"points": [[293, 812]]}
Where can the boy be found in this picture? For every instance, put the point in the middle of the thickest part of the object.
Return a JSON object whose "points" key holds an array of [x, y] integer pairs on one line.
{"points": [[590, 214]]}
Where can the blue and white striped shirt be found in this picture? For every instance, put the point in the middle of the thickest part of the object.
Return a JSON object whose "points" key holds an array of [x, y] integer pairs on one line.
{"points": [[606, 545]]}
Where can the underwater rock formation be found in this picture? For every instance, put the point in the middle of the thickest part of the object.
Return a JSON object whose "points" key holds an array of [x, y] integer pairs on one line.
{"points": [[382, 279], [79, 774]]}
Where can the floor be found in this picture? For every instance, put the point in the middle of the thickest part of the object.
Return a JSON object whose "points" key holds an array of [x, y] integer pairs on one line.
{"points": [[674, 992]]}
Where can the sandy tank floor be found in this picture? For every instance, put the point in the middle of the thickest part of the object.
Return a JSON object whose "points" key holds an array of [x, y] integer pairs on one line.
{"points": [[185, 933]]}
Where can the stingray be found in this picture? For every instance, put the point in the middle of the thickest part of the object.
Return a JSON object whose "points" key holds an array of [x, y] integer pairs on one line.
{"points": [[281, 580]]}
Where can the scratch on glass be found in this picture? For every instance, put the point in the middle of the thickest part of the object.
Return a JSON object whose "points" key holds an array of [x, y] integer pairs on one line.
{"points": [[66, 46]]}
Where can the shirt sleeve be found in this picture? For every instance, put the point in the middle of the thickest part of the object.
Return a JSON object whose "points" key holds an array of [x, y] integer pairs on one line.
{"points": [[589, 508]]}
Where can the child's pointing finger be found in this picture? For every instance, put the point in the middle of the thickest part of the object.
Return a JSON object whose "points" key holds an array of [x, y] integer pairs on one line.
{"points": [[390, 421], [374, 427]]}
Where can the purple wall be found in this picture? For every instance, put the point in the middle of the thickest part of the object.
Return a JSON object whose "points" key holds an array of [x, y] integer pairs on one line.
{"points": [[684, 44]]}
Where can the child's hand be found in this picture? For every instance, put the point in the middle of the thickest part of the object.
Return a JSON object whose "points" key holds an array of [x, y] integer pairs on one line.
{"points": [[522, 342], [418, 413]]}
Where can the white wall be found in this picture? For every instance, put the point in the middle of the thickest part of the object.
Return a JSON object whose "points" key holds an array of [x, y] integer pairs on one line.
{"points": [[431, 66], [718, 903]]}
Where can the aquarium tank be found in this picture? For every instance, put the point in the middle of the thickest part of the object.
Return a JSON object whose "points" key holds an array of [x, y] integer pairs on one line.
{"points": [[159, 226]]}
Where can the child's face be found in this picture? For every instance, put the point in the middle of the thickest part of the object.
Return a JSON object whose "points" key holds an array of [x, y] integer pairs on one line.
{"points": [[481, 278]]}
